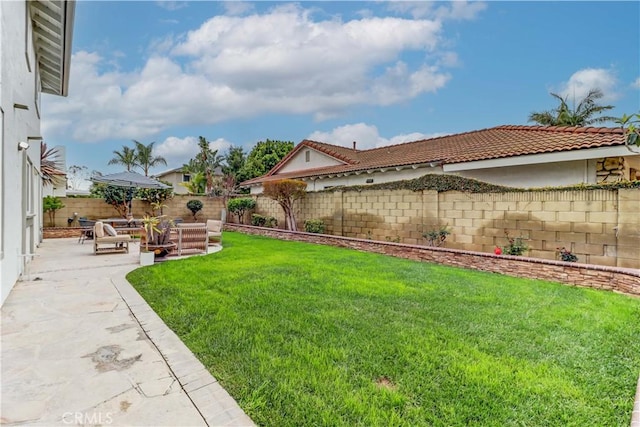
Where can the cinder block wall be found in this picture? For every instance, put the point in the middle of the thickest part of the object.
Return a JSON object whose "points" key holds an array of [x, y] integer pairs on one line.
{"points": [[581, 221], [98, 208], [600, 226]]}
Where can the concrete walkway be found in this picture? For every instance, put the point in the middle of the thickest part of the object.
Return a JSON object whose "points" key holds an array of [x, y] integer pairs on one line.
{"points": [[81, 347]]}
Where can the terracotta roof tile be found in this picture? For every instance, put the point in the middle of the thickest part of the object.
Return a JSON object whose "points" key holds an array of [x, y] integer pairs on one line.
{"points": [[494, 143]]}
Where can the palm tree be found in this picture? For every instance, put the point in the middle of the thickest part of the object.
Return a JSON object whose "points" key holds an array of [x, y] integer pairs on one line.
{"points": [[126, 157], [582, 115], [50, 163], [206, 161], [145, 158]]}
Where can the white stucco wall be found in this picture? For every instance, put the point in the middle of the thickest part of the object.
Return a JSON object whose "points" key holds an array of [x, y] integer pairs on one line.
{"points": [[175, 179], [20, 219], [538, 175], [316, 160]]}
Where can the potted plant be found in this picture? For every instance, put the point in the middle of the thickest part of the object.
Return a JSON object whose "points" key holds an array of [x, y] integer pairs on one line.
{"points": [[150, 225], [157, 233]]}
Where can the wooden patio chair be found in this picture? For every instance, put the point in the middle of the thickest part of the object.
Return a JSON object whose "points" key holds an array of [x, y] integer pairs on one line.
{"points": [[214, 230], [109, 241]]}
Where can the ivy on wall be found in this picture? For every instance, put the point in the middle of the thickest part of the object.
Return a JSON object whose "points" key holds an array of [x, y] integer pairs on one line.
{"points": [[468, 185]]}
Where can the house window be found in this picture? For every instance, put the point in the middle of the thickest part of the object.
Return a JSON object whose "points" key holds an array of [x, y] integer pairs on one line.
{"points": [[186, 177], [307, 156], [29, 188], [369, 181], [28, 37], [38, 90]]}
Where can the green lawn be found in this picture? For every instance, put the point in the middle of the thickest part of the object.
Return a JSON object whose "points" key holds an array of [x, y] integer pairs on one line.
{"points": [[304, 334]]}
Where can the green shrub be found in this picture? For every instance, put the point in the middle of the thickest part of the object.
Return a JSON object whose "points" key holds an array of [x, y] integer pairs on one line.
{"points": [[258, 220], [314, 226], [263, 221], [239, 206], [194, 206], [436, 237], [50, 205], [516, 245], [566, 255]]}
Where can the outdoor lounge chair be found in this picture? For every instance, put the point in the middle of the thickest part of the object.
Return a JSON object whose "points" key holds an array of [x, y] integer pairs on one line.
{"points": [[214, 229], [107, 243], [191, 238]]}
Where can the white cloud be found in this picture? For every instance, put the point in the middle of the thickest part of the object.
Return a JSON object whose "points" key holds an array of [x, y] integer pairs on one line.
{"points": [[280, 62], [366, 136], [237, 7], [582, 81], [178, 151], [457, 10], [171, 5], [636, 83]]}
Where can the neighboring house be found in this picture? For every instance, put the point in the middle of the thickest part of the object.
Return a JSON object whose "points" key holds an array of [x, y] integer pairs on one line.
{"points": [[177, 177], [58, 188], [515, 156], [35, 55]]}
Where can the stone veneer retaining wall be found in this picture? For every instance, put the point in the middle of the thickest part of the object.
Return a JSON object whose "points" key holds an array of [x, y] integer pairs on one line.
{"points": [[625, 281]]}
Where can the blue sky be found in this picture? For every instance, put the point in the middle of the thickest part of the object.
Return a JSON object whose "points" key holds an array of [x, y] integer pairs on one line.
{"points": [[378, 73]]}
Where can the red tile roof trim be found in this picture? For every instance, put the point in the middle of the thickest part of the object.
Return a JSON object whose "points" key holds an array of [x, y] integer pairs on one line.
{"points": [[328, 149], [486, 144]]}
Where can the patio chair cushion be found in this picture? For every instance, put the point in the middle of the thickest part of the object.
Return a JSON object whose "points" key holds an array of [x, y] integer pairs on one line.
{"points": [[109, 230], [214, 230], [115, 239], [98, 229], [214, 226]]}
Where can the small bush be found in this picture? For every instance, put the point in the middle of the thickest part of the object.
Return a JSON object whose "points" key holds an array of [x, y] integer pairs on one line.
{"points": [[566, 255], [314, 226], [239, 206], [436, 237], [263, 221], [194, 206], [258, 220], [516, 245]]}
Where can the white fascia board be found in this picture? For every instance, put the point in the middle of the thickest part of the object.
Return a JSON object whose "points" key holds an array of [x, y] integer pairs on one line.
{"points": [[564, 156]]}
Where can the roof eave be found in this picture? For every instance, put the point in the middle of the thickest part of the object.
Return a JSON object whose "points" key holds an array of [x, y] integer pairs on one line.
{"points": [[70, 12], [53, 35]]}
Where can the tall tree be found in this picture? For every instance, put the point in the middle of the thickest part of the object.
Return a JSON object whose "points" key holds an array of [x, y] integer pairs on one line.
{"points": [[205, 163], [127, 157], [586, 113], [145, 158], [264, 156], [233, 162], [286, 192]]}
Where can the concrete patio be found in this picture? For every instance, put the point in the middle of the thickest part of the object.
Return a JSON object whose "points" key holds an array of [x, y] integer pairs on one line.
{"points": [[81, 347]]}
